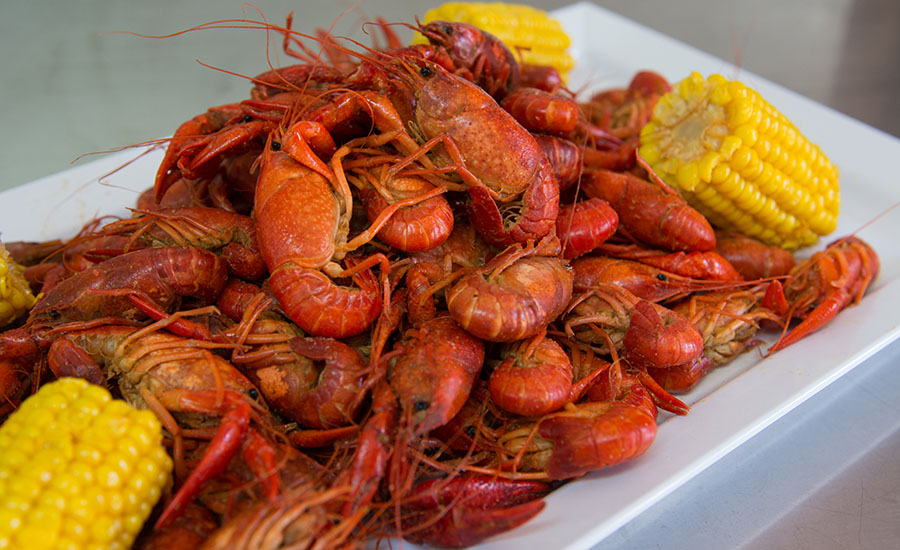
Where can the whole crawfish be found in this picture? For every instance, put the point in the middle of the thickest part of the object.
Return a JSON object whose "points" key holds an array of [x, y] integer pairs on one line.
{"points": [[499, 161], [119, 290], [728, 322], [294, 188], [612, 318], [231, 235], [168, 373], [819, 287], [477, 56], [533, 378]]}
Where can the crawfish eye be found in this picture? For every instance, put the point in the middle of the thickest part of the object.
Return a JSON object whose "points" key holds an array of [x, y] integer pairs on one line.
{"points": [[247, 118], [420, 405], [661, 276], [447, 29], [470, 431], [426, 71], [276, 145], [253, 393], [54, 314]]}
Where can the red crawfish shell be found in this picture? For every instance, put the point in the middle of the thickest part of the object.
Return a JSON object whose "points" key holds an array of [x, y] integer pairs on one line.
{"points": [[515, 304]]}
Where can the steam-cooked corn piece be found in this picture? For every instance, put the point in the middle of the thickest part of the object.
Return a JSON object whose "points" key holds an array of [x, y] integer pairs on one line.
{"points": [[742, 163], [532, 35], [15, 294], [78, 469]]}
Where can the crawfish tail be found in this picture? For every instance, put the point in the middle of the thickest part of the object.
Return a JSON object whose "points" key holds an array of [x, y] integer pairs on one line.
{"points": [[659, 337], [650, 214], [585, 225], [596, 435]]}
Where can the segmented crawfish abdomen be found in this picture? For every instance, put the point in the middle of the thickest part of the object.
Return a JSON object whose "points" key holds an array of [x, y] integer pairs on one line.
{"points": [[596, 436], [321, 307], [532, 379], [564, 157], [323, 395], [650, 214], [659, 337], [413, 228], [542, 112], [585, 225], [682, 378], [518, 303], [751, 258]]}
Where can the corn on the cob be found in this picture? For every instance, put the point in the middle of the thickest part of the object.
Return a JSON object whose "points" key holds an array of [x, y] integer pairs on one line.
{"points": [[742, 163], [15, 294], [78, 469], [531, 34]]}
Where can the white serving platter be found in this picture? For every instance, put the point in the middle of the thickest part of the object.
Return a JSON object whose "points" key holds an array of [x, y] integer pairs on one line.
{"points": [[730, 405]]}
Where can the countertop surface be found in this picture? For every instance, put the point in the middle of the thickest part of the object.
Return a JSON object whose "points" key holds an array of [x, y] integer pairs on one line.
{"points": [[72, 85]]}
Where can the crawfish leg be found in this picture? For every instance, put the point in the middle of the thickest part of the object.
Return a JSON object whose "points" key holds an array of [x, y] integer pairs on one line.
{"points": [[221, 449], [818, 318]]}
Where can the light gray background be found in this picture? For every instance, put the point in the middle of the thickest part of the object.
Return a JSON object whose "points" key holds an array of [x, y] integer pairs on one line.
{"points": [[827, 476], [70, 85]]}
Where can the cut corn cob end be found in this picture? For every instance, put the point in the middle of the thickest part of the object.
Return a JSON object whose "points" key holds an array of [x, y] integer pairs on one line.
{"points": [[742, 163], [15, 294], [78, 469], [531, 34]]}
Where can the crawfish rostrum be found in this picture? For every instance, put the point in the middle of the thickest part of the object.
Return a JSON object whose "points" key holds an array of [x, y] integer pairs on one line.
{"points": [[370, 300]]}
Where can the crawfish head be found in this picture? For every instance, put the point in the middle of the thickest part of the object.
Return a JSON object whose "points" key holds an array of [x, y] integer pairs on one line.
{"points": [[435, 91], [463, 41], [477, 55], [433, 377]]}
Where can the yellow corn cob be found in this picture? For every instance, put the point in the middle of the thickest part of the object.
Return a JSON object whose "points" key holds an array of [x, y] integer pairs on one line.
{"points": [[741, 163], [533, 36], [15, 294], [78, 469]]}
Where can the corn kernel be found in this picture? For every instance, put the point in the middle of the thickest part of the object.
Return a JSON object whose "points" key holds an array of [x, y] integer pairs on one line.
{"points": [[650, 153], [720, 95], [707, 164], [719, 173], [747, 133], [688, 176]]}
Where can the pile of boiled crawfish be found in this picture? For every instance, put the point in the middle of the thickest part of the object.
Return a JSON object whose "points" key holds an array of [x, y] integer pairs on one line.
{"points": [[405, 291]]}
